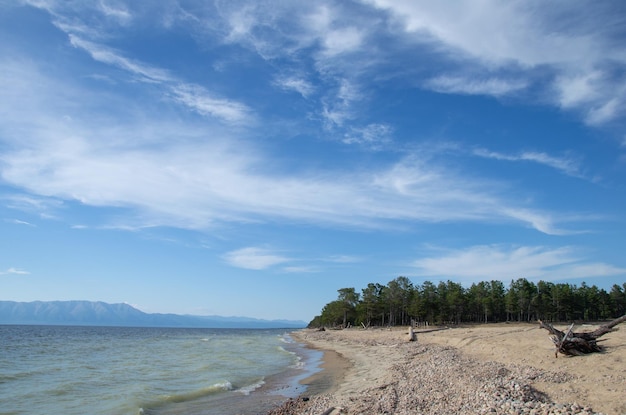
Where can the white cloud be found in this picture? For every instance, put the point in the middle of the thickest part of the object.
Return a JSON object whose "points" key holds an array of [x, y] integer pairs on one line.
{"points": [[579, 45], [193, 96], [338, 106], [199, 100], [19, 222], [372, 136], [344, 259], [294, 83], [578, 89], [14, 271], [300, 270], [44, 207], [478, 263], [573, 54], [342, 40], [524, 31], [109, 56], [541, 221], [195, 184], [254, 258], [471, 86], [118, 12], [566, 165], [606, 111], [171, 173]]}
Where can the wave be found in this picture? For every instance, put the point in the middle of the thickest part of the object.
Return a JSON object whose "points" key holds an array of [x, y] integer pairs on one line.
{"points": [[158, 406], [286, 338], [247, 390], [200, 393], [163, 400], [299, 363]]}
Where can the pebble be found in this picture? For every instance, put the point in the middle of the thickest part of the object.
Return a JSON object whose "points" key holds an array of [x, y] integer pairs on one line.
{"points": [[439, 380]]}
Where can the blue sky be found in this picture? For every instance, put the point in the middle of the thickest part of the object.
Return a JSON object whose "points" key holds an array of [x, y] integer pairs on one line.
{"points": [[251, 158]]}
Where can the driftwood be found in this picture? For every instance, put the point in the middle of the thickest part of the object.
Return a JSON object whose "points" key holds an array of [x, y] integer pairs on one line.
{"points": [[578, 344], [412, 336]]}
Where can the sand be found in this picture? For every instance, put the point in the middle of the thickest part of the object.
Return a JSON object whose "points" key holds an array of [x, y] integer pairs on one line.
{"points": [[491, 369]]}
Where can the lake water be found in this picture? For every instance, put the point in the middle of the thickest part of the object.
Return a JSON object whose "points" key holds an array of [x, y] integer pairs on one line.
{"points": [[132, 371]]}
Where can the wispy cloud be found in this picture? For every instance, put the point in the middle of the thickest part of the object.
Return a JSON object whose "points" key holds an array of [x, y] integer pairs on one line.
{"points": [[223, 184], [295, 83], [566, 165], [103, 54], [581, 51], [477, 263], [19, 222], [42, 206], [14, 271], [344, 259], [168, 172], [85, 37], [193, 96], [300, 269], [472, 86], [343, 40], [118, 12], [254, 258], [338, 104], [199, 100], [552, 51], [372, 136]]}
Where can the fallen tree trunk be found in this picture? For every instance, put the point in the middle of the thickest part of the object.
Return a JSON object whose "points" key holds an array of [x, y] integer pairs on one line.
{"points": [[578, 344]]}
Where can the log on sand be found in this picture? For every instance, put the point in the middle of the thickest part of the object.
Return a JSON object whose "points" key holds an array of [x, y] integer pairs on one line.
{"points": [[578, 344]]}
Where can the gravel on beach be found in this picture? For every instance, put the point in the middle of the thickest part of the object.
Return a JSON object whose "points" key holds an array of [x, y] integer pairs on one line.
{"points": [[434, 379]]}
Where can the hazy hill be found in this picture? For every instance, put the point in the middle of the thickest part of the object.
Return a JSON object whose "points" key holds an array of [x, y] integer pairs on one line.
{"points": [[90, 313]]}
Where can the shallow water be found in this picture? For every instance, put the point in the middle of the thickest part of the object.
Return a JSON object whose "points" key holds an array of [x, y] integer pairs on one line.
{"points": [[129, 371]]}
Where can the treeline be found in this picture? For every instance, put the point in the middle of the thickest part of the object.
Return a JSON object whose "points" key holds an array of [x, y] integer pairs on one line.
{"points": [[401, 303]]}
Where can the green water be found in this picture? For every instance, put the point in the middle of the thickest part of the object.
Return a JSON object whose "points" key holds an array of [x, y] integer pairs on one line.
{"points": [[105, 370]]}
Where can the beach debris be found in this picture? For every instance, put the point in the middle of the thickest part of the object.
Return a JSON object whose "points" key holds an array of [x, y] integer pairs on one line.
{"points": [[412, 335], [578, 344]]}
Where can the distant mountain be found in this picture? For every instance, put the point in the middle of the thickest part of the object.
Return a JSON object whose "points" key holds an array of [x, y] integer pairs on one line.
{"points": [[97, 313]]}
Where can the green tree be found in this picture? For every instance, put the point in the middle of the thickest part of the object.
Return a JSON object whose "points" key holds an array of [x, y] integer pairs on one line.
{"points": [[454, 300], [618, 300], [497, 294], [448, 302], [519, 300], [371, 305], [399, 292], [479, 302], [544, 303], [428, 302], [332, 313], [348, 297]]}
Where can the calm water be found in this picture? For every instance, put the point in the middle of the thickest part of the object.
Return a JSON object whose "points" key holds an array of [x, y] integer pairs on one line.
{"points": [[131, 371]]}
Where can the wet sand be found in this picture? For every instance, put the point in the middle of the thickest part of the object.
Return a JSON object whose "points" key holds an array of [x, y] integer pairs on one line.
{"points": [[334, 368], [496, 368]]}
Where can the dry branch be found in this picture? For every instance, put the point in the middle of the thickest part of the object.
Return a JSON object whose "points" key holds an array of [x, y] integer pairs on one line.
{"points": [[578, 344]]}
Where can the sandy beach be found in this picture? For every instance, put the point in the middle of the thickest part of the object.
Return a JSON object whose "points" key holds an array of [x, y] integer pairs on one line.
{"points": [[482, 369]]}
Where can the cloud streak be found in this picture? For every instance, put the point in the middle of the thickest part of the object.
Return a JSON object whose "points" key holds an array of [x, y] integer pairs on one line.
{"points": [[165, 171], [172, 174], [192, 96], [579, 49], [14, 271], [502, 262], [470, 86], [565, 165], [254, 258]]}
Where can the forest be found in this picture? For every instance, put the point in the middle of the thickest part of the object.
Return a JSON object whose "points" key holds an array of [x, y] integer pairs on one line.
{"points": [[400, 302]]}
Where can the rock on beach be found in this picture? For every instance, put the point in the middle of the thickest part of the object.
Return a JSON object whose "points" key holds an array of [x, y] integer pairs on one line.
{"points": [[439, 374]]}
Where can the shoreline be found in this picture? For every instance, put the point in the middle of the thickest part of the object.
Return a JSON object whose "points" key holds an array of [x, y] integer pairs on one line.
{"points": [[334, 367], [487, 369]]}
